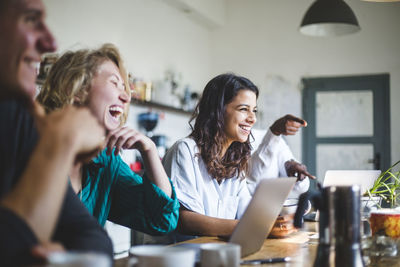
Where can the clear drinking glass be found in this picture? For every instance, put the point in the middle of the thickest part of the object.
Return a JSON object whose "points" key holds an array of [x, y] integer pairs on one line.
{"points": [[384, 243]]}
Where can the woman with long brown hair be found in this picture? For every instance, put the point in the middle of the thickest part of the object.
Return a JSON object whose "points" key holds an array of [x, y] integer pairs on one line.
{"points": [[208, 168]]}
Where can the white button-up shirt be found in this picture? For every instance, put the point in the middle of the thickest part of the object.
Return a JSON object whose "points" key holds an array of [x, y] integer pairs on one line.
{"points": [[197, 190]]}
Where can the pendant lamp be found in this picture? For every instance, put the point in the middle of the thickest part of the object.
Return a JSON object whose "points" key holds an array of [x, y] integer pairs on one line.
{"points": [[329, 18]]}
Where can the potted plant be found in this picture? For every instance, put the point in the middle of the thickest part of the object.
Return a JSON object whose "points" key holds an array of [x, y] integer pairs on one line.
{"points": [[385, 188], [385, 222]]}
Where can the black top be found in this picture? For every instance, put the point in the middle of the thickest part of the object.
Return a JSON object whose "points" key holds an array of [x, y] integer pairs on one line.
{"points": [[76, 229]]}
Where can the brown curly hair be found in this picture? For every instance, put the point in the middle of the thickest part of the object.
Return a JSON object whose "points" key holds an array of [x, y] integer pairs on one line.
{"points": [[208, 129]]}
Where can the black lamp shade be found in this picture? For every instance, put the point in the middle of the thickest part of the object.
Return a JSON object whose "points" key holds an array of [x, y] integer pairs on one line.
{"points": [[381, 1], [329, 18]]}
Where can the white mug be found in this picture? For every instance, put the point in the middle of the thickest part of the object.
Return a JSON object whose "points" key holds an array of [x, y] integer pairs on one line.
{"points": [[161, 256], [220, 255], [78, 259]]}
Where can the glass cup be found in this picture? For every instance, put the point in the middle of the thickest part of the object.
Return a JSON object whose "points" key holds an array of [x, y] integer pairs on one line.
{"points": [[385, 222], [368, 204], [385, 229]]}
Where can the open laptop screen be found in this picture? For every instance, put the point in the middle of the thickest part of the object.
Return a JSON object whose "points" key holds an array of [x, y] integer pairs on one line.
{"points": [[364, 178], [261, 213]]}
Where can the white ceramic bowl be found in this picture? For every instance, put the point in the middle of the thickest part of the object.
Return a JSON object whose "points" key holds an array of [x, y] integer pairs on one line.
{"points": [[289, 206], [81, 259], [161, 256]]}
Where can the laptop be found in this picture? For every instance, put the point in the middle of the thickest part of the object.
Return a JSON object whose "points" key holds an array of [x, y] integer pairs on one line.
{"points": [[261, 213], [259, 216], [364, 178]]}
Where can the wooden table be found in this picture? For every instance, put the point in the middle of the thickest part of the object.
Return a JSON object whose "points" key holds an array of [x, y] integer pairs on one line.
{"points": [[299, 246]]}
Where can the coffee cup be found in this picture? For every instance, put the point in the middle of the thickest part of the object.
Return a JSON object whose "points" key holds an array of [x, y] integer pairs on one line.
{"points": [[161, 256], [78, 259], [220, 255]]}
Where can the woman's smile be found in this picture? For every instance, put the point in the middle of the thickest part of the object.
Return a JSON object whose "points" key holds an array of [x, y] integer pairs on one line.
{"points": [[240, 116], [108, 98]]}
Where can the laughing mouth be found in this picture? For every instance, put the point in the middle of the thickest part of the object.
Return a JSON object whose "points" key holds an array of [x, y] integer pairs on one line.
{"points": [[116, 112], [245, 128], [33, 64]]}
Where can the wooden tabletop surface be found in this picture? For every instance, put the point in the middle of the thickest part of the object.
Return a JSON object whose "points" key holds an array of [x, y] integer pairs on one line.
{"points": [[300, 246]]}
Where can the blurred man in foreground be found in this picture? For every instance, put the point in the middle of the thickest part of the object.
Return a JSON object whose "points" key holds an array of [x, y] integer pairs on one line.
{"points": [[38, 210]]}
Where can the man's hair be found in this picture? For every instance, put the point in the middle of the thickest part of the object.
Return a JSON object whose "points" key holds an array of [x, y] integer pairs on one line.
{"points": [[208, 129], [4, 4], [70, 77]]}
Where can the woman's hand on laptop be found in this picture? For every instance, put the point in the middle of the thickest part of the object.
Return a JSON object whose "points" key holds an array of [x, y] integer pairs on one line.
{"points": [[298, 170]]}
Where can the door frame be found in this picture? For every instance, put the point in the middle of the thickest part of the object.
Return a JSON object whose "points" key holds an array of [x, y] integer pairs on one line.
{"points": [[378, 84]]}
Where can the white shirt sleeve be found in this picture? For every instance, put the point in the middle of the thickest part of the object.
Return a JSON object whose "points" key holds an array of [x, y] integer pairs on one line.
{"points": [[268, 161], [178, 163]]}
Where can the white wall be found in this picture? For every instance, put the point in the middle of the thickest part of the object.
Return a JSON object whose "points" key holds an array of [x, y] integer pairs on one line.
{"points": [[151, 35], [210, 13], [260, 40]]}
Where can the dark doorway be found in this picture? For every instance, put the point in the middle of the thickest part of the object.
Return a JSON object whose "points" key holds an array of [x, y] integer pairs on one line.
{"points": [[349, 123]]}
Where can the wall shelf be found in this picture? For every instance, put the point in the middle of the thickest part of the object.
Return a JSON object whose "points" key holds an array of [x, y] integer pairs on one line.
{"points": [[163, 107]]}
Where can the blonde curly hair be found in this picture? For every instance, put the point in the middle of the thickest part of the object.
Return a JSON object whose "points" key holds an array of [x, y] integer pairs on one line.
{"points": [[69, 79]]}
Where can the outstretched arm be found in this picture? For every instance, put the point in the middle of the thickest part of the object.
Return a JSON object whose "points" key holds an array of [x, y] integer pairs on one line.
{"points": [[192, 223], [273, 157]]}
